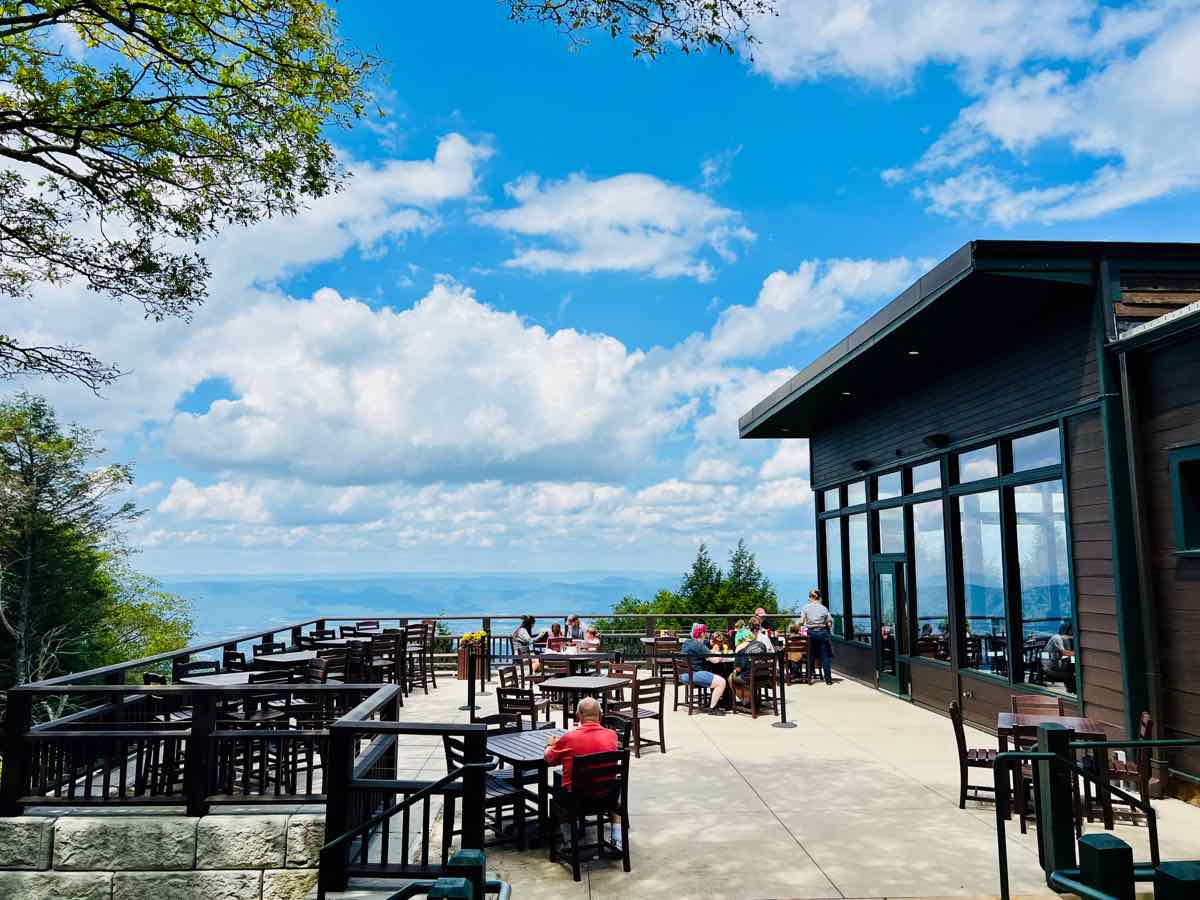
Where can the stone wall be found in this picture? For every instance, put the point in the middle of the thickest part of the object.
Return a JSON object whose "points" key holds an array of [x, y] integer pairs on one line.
{"points": [[134, 856]]}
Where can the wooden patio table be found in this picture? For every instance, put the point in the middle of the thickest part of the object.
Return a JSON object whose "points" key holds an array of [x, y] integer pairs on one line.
{"points": [[575, 686], [526, 751], [1085, 729], [341, 642], [221, 678], [291, 660], [577, 661]]}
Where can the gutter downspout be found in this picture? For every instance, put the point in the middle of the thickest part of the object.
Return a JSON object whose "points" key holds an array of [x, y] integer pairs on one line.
{"points": [[1131, 633]]}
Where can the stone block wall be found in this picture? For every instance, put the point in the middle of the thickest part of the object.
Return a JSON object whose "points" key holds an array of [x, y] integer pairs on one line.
{"points": [[160, 857]]}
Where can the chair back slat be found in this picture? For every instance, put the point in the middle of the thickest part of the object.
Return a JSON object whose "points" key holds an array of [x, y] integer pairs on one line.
{"points": [[267, 648], [960, 733], [1036, 705], [509, 677], [599, 781]]}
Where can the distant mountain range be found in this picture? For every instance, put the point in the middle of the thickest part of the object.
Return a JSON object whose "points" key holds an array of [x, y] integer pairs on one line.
{"points": [[234, 604]]}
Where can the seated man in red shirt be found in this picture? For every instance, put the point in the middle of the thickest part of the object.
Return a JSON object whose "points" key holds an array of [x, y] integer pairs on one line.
{"points": [[589, 737]]}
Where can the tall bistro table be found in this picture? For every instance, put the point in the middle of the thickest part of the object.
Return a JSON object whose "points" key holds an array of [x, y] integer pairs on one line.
{"points": [[1085, 729], [526, 751], [571, 688]]}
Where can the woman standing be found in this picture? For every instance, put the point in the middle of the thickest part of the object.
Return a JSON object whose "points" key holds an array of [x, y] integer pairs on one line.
{"points": [[816, 618]]}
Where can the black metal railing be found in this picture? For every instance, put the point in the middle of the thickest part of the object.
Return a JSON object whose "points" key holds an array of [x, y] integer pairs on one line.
{"points": [[1054, 776]]}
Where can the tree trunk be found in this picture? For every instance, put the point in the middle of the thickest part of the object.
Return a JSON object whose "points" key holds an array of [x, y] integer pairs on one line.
{"points": [[24, 633]]}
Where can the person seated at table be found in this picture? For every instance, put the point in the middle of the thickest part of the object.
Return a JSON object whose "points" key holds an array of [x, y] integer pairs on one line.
{"points": [[750, 646], [589, 736], [555, 631], [700, 653], [1058, 660], [591, 640], [576, 629], [719, 642], [741, 632], [761, 634], [524, 641], [764, 622]]}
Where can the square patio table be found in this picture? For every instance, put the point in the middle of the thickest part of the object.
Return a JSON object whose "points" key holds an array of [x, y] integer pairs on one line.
{"points": [[341, 642], [526, 751], [576, 686], [291, 660], [1085, 728], [577, 661]]}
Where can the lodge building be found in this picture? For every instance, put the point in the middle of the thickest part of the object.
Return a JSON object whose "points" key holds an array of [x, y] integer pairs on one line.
{"points": [[1005, 461]]}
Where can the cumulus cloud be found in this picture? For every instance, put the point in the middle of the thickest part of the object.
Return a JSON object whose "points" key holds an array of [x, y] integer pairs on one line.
{"points": [[632, 223]]}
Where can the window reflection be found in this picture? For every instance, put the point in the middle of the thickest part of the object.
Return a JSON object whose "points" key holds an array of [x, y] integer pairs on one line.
{"points": [[891, 530], [831, 499], [860, 579], [927, 477], [1036, 450], [977, 465], [833, 573], [932, 601], [985, 644], [856, 493], [1047, 624], [887, 486]]}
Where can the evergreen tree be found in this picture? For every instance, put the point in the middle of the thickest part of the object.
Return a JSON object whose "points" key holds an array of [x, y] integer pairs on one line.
{"points": [[745, 587], [700, 590]]}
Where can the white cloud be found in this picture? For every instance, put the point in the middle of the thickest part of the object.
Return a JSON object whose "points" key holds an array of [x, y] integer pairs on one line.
{"points": [[715, 170], [717, 470], [816, 296], [790, 459], [632, 222]]}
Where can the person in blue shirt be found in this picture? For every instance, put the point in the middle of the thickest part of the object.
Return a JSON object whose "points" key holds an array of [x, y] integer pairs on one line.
{"points": [[699, 652]]}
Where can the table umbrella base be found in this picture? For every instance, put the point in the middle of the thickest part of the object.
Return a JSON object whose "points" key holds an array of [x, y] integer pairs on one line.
{"points": [[783, 724]]}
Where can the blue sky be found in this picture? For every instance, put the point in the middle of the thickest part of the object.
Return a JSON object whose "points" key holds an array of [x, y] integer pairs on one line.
{"points": [[521, 338]]}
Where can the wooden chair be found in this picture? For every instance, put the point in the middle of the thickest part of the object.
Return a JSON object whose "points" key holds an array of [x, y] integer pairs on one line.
{"points": [[381, 654], [618, 669], [367, 623], [234, 661], [187, 669], [356, 663], [600, 788], [799, 665], [555, 668], [417, 662], [684, 669], [267, 648], [347, 631], [970, 759], [661, 654], [761, 687], [335, 661], [1135, 774], [647, 698], [528, 677], [1036, 705], [509, 677], [521, 702], [620, 726], [323, 634], [555, 644], [259, 709], [430, 646], [499, 795]]}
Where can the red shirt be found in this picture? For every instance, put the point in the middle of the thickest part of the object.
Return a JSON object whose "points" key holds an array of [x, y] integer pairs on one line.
{"points": [[590, 737]]}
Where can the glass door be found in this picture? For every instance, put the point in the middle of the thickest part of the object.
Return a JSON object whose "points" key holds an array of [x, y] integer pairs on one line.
{"points": [[889, 622]]}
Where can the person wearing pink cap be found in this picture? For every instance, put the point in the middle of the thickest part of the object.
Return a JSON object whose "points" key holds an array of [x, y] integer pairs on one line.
{"points": [[700, 652]]}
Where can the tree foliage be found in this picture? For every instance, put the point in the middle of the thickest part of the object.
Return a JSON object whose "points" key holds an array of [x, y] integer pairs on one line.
{"points": [[133, 129], [652, 25], [68, 600]]}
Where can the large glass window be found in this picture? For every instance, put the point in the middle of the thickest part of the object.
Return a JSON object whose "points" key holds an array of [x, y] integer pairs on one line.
{"points": [[856, 493], [986, 639], [860, 579], [1036, 450], [831, 500], [932, 600], [976, 465], [887, 486], [1047, 623], [891, 530], [833, 573], [927, 477]]}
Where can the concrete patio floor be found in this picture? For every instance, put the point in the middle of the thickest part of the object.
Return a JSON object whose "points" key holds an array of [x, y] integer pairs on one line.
{"points": [[859, 801]]}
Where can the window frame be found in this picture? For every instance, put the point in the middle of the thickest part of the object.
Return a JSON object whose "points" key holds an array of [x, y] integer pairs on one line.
{"points": [[1186, 520]]}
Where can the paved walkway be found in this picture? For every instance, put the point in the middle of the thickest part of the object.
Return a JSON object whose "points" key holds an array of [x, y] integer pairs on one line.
{"points": [[859, 801]]}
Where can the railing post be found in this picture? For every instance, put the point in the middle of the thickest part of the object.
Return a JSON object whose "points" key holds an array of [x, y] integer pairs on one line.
{"points": [[320, 626], [297, 633], [198, 762], [651, 621], [470, 865], [18, 720], [1056, 812], [338, 773], [475, 751], [486, 626], [1106, 864]]}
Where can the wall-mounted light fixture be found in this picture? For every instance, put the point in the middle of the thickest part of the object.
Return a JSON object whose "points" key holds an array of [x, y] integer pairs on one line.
{"points": [[936, 440], [861, 465]]}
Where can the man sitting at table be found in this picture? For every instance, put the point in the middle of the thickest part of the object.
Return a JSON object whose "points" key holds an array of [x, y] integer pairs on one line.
{"points": [[699, 653], [588, 737]]}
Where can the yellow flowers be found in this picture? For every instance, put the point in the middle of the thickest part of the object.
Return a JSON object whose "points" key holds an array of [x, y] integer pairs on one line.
{"points": [[472, 637]]}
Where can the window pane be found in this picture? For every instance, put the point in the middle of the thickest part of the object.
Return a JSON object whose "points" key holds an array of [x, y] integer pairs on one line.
{"points": [[860, 579], [986, 639], [1036, 450], [891, 530], [856, 493], [833, 573], [927, 477], [1047, 625], [831, 499], [887, 486], [932, 602], [977, 465]]}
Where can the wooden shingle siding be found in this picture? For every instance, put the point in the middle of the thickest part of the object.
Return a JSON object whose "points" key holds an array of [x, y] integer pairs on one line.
{"points": [[1029, 369], [1168, 393], [1095, 589]]}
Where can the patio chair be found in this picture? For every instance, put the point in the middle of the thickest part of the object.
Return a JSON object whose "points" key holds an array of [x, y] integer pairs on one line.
{"points": [[431, 645], [381, 657], [347, 631], [663, 650], [600, 788], [335, 661], [970, 759], [323, 634], [417, 660], [1135, 774], [367, 624], [269, 648], [647, 697], [521, 702], [499, 795], [234, 661], [799, 664], [1036, 705], [190, 668], [617, 669], [509, 677], [693, 694], [761, 687], [620, 726]]}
